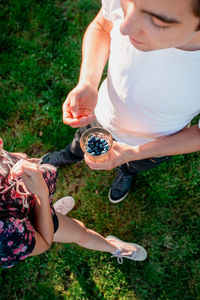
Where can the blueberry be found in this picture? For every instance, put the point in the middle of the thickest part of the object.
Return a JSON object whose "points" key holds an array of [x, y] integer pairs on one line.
{"points": [[89, 150], [92, 139], [103, 152]]}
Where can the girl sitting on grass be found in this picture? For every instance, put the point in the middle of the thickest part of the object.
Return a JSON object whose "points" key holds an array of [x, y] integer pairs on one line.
{"points": [[28, 220]]}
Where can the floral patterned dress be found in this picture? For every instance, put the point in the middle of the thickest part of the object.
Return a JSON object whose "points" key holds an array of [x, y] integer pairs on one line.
{"points": [[17, 235]]}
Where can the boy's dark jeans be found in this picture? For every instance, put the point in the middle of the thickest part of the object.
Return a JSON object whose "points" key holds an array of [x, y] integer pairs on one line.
{"points": [[132, 166]]}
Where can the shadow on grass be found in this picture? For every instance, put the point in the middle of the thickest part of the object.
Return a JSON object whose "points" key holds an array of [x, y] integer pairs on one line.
{"points": [[83, 273], [50, 276]]}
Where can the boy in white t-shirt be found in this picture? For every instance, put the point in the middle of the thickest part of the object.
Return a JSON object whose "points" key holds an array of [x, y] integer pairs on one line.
{"points": [[152, 90]]}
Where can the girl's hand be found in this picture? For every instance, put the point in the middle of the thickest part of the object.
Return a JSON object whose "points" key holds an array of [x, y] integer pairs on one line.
{"points": [[19, 155], [32, 178], [25, 156]]}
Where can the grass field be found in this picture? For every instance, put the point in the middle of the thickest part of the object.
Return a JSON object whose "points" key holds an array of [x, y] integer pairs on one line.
{"points": [[40, 58]]}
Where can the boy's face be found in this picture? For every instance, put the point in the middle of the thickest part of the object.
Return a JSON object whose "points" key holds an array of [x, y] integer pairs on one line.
{"points": [[158, 24]]}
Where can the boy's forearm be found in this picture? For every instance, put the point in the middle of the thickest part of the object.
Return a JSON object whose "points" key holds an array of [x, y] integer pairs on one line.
{"points": [[185, 141], [95, 52]]}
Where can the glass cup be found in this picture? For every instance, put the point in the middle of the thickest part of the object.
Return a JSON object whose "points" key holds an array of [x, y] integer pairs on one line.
{"points": [[98, 134]]}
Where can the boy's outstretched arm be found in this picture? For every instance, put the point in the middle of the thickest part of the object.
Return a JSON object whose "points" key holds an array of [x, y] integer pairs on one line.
{"points": [[78, 108], [185, 141], [182, 142], [95, 50]]}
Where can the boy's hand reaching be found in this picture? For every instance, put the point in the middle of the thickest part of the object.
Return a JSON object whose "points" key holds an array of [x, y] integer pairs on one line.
{"points": [[78, 108]]}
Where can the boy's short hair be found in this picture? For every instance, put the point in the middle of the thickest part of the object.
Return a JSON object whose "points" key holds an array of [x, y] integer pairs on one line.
{"points": [[196, 10]]}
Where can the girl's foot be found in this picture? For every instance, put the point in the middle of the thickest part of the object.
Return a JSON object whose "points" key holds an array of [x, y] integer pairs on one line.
{"points": [[126, 250], [64, 205]]}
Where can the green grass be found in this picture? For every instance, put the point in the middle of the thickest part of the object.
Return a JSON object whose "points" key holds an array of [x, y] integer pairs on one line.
{"points": [[40, 59]]}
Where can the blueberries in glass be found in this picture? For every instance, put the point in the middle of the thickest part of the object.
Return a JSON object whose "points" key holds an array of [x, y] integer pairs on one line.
{"points": [[97, 146]]}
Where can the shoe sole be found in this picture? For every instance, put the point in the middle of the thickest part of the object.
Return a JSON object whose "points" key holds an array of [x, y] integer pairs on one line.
{"points": [[65, 201], [116, 201], [133, 244]]}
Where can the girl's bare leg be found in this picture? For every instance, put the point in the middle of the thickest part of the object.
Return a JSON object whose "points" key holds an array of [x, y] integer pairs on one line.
{"points": [[74, 231]]}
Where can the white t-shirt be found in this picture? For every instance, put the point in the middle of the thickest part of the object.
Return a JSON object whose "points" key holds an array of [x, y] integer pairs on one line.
{"points": [[147, 95]]}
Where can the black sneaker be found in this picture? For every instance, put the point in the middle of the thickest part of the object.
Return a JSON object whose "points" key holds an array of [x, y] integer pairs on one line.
{"points": [[121, 185], [60, 158]]}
